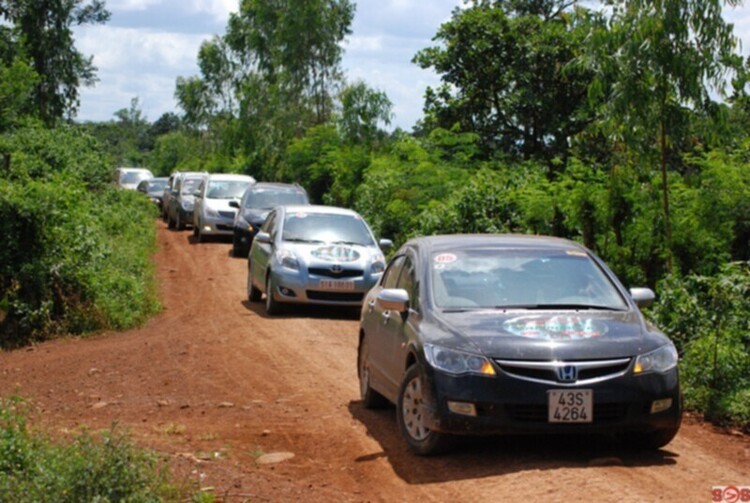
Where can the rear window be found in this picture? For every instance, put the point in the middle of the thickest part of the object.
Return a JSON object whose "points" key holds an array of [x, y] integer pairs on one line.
{"points": [[264, 199]]}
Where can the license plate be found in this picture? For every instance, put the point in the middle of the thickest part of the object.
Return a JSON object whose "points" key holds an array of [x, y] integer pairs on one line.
{"points": [[334, 284], [570, 406]]}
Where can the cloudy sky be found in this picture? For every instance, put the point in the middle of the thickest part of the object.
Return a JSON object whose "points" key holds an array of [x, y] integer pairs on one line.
{"points": [[147, 44]]}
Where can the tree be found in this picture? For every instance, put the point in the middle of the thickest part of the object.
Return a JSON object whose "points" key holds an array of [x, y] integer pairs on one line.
{"points": [[655, 63], [362, 108], [42, 32], [507, 75]]}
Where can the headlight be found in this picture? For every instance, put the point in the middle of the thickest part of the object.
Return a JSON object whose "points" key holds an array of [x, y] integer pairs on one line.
{"points": [[187, 205], [287, 259], [457, 362], [660, 360], [378, 263]]}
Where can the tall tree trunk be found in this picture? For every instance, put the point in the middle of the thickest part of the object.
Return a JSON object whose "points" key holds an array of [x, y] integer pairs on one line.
{"points": [[665, 196]]}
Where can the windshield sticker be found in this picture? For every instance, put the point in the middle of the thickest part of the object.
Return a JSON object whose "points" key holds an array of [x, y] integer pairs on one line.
{"points": [[336, 253], [575, 253], [445, 258], [300, 215], [555, 327]]}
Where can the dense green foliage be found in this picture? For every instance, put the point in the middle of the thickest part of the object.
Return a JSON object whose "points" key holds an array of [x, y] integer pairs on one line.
{"points": [[105, 467], [76, 251]]}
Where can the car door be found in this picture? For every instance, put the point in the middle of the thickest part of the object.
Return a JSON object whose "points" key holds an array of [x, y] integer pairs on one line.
{"points": [[398, 329], [260, 253], [375, 320]]}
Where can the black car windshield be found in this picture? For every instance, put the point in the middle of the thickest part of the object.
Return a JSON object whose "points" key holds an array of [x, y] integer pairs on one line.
{"points": [[265, 199], [156, 186], [304, 226], [226, 189], [522, 278]]}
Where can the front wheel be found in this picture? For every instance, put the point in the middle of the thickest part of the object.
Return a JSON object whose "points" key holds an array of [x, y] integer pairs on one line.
{"points": [[414, 404], [651, 440], [179, 224]]}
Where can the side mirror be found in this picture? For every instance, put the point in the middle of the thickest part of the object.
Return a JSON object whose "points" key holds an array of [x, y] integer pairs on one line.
{"points": [[263, 237], [385, 244], [643, 297], [393, 299], [234, 204]]}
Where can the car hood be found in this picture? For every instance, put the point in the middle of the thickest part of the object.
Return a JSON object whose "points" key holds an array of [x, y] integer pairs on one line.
{"points": [[255, 216], [547, 335], [323, 254], [220, 204]]}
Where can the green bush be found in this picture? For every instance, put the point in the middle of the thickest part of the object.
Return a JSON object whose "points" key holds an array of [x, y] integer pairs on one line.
{"points": [[707, 318], [76, 251], [103, 468]]}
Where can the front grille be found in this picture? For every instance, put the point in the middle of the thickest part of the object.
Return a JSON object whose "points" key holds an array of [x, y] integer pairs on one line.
{"points": [[227, 214], [537, 413], [344, 273], [335, 296], [546, 372], [223, 227]]}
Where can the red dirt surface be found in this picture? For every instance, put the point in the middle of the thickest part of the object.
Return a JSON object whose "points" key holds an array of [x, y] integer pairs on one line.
{"points": [[214, 383]]}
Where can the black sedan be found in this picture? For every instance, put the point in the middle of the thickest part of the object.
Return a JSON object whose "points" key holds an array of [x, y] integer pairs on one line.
{"points": [[500, 334]]}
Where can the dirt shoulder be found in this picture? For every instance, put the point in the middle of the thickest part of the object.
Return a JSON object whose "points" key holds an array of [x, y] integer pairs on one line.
{"points": [[215, 384]]}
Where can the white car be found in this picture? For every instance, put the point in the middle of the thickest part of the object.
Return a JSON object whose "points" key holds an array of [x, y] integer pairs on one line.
{"points": [[212, 214], [129, 178]]}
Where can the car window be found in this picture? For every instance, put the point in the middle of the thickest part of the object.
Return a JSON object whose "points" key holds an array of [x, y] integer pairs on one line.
{"points": [[270, 198], [226, 189], [190, 185], [520, 277], [407, 281], [391, 274], [269, 224], [303, 226]]}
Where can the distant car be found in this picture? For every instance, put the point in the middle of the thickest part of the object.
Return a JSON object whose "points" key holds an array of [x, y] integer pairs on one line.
{"points": [[154, 189], [257, 201], [182, 199], [213, 215], [492, 334], [129, 178], [313, 255]]}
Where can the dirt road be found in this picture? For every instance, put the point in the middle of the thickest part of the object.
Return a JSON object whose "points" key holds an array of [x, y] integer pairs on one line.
{"points": [[216, 384]]}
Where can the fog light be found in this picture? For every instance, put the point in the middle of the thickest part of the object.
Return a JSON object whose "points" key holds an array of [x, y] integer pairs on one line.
{"points": [[285, 291], [660, 405], [207, 228], [463, 408]]}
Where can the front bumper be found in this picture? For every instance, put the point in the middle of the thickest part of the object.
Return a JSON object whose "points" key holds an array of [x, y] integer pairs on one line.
{"points": [[508, 405], [302, 287], [217, 226]]}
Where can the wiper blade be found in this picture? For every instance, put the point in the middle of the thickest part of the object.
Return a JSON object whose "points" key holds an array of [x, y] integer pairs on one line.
{"points": [[353, 243], [560, 306], [301, 240]]}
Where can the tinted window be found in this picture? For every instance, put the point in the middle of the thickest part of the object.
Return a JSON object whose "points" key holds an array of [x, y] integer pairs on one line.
{"points": [[270, 198], [408, 282], [390, 277], [520, 277], [189, 185], [326, 228]]}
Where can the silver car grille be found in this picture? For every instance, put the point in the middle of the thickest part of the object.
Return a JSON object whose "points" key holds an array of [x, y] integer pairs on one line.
{"points": [[565, 373]]}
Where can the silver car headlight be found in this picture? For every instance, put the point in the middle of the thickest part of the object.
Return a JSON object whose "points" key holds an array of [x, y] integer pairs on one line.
{"points": [[660, 360], [187, 205], [287, 259], [456, 362]]}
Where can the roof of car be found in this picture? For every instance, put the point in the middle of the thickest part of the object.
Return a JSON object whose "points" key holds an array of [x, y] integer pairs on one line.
{"points": [[230, 176], [314, 208], [276, 185], [453, 241]]}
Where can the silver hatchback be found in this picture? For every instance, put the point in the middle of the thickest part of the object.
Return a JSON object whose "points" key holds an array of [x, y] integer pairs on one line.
{"points": [[313, 255]]}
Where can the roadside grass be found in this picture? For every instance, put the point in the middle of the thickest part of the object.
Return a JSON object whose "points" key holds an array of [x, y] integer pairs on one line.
{"points": [[101, 467]]}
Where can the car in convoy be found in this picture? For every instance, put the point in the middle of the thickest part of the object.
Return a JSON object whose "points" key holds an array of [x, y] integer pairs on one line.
{"points": [[213, 215], [257, 201], [182, 199], [154, 189], [306, 254], [508, 334], [129, 178]]}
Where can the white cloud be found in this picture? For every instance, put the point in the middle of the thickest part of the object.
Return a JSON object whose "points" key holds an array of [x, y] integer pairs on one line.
{"points": [[131, 5], [219, 9]]}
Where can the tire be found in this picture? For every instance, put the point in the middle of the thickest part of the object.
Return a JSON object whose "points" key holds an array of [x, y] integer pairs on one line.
{"points": [[651, 440], [237, 250], [273, 307], [253, 293], [170, 222], [179, 224], [371, 399], [198, 234], [410, 414]]}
